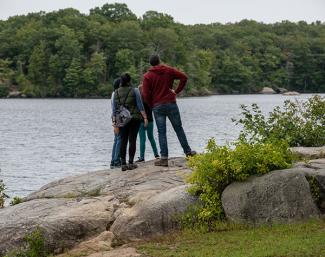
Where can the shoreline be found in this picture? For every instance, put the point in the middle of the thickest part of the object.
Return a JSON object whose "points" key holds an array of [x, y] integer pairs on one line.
{"points": [[179, 97]]}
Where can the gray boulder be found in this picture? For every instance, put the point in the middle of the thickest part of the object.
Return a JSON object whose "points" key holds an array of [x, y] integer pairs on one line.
{"points": [[277, 197], [155, 216], [64, 222], [309, 152], [77, 208], [267, 90]]}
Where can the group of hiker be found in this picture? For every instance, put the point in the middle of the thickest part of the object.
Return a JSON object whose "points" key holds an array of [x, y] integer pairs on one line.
{"points": [[133, 110]]}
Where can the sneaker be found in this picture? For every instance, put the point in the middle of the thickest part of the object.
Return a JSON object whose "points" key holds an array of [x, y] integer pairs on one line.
{"points": [[124, 167], [140, 160], [157, 156], [161, 162], [132, 166], [191, 153], [115, 165]]}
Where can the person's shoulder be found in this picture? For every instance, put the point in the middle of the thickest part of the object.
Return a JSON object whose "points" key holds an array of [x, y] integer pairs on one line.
{"points": [[146, 74]]}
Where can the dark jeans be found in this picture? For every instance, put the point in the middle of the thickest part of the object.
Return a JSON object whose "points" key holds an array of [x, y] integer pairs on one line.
{"points": [[171, 111], [129, 135]]}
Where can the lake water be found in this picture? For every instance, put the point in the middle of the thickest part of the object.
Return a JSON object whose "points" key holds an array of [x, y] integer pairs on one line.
{"points": [[42, 140]]}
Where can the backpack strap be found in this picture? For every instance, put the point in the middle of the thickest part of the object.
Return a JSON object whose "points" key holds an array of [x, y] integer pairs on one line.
{"points": [[119, 98], [127, 95]]}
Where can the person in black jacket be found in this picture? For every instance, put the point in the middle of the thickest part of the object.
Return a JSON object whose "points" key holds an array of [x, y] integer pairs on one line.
{"points": [[129, 97]]}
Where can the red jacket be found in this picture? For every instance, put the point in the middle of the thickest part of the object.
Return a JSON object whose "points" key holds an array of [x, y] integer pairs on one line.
{"points": [[158, 84]]}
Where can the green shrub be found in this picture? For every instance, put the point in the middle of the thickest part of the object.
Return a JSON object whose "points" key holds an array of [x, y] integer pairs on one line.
{"points": [[4, 91], [3, 195], [34, 246], [298, 123], [16, 200], [219, 166]]}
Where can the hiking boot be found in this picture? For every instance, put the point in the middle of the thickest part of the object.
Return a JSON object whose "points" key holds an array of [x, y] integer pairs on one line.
{"points": [[132, 166], [124, 167], [161, 162], [140, 160], [191, 153]]}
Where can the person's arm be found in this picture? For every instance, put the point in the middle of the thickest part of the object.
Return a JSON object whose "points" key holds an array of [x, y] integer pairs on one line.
{"points": [[140, 106], [113, 105], [182, 80], [138, 99]]}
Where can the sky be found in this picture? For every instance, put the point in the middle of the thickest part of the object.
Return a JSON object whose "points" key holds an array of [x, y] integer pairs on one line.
{"points": [[187, 11]]}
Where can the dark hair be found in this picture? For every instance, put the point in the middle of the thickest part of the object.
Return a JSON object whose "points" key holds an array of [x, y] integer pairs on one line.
{"points": [[154, 59], [125, 79], [116, 83]]}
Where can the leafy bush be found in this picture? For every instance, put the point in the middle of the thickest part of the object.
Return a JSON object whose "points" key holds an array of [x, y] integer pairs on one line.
{"points": [[219, 166], [4, 91], [16, 200], [34, 246], [3, 195], [298, 123]]}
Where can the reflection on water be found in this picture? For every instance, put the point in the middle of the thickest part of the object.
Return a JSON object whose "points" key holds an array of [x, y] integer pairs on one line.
{"points": [[44, 140]]}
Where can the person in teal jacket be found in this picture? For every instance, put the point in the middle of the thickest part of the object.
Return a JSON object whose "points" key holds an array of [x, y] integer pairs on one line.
{"points": [[147, 130]]}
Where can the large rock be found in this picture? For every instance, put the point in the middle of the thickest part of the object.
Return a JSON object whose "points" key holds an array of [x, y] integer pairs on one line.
{"points": [[315, 175], [309, 152], [291, 93], [277, 197], [267, 90], [155, 216], [64, 222], [77, 208]]}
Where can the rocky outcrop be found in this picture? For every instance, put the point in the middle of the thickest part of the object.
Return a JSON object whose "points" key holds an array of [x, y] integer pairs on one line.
{"points": [[291, 93], [267, 90], [309, 152], [279, 196], [155, 216], [94, 212], [78, 208]]}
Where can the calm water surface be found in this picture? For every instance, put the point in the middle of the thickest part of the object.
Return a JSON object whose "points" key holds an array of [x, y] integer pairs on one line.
{"points": [[44, 140]]}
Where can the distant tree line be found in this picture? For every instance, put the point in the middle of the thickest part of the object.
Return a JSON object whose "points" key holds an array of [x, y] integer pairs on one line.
{"points": [[69, 54]]}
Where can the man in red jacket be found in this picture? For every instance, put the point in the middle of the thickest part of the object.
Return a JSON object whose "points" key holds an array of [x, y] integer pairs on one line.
{"points": [[158, 93]]}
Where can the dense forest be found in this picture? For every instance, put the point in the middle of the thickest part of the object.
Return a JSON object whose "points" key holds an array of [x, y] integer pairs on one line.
{"points": [[69, 54]]}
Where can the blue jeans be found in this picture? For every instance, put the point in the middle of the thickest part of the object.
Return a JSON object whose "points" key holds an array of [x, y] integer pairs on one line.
{"points": [[116, 150], [170, 110]]}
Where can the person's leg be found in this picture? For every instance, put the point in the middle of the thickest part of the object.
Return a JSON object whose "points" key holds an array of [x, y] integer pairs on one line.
{"points": [[124, 133], [133, 133], [175, 119], [151, 138], [117, 152], [160, 117], [113, 160], [142, 135]]}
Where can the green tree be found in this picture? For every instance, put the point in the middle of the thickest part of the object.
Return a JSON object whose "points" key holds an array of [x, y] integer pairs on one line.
{"points": [[6, 75], [114, 12], [125, 63], [72, 78], [200, 68], [38, 68], [94, 74], [154, 20]]}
